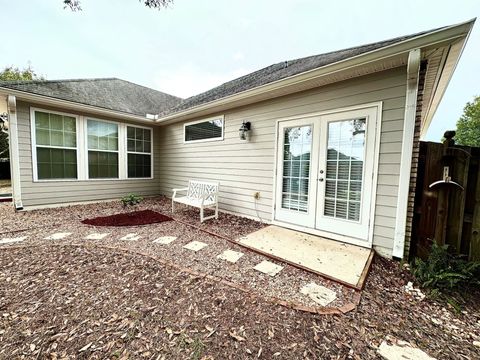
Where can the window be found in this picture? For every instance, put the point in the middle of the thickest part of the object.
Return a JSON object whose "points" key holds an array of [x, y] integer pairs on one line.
{"points": [[75, 147], [102, 149], [55, 145], [204, 130], [139, 152]]}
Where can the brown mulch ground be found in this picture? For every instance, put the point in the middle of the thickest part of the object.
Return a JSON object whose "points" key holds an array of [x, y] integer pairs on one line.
{"points": [[61, 300], [284, 286], [133, 218]]}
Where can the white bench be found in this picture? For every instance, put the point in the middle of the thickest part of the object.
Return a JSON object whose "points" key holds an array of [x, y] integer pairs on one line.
{"points": [[200, 194]]}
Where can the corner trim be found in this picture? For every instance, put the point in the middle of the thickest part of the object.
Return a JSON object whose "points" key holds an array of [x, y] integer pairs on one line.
{"points": [[413, 70], [14, 152]]}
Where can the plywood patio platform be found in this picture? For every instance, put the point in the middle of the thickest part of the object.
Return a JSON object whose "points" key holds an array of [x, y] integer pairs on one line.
{"points": [[345, 263]]}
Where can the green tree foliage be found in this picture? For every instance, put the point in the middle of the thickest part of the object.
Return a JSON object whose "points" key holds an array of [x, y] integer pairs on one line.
{"points": [[74, 5], [468, 126], [4, 145], [11, 73]]}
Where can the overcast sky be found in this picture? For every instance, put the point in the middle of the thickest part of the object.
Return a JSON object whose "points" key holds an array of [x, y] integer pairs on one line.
{"points": [[195, 45]]}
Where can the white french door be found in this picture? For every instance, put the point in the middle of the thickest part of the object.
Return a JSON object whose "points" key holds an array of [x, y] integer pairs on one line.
{"points": [[325, 173], [296, 172]]}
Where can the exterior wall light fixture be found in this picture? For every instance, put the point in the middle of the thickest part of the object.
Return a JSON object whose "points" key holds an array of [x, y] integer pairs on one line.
{"points": [[244, 129]]}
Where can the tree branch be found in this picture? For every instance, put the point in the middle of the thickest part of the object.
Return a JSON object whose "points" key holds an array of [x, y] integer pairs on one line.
{"points": [[74, 5]]}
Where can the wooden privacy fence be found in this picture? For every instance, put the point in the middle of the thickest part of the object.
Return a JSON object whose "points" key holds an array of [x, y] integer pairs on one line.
{"points": [[447, 199]]}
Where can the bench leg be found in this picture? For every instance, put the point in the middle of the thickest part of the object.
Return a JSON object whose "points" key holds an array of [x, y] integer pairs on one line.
{"points": [[173, 206], [216, 210]]}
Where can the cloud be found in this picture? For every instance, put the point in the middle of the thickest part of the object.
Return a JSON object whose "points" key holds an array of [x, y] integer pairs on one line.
{"points": [[190, 80]]}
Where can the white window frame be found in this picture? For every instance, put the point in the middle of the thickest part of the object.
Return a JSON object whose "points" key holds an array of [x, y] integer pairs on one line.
{"points": [[82, 148], [220, 138], [87, 149], [138, 153], [34, 144]]}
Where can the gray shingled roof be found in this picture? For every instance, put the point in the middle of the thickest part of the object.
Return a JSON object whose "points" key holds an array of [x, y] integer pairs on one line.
{"points": [[110, 93], [282, 70], [121, 95]]}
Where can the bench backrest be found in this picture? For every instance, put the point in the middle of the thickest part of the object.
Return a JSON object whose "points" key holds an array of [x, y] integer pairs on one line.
{"points": [[197, 189]]}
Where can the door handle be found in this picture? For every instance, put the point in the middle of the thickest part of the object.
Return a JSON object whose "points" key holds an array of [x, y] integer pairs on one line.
{"points": [[321, 179]]}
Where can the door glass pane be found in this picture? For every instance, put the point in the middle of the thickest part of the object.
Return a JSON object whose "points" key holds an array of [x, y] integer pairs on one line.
{"points": [[344, 169], [297, 147]]}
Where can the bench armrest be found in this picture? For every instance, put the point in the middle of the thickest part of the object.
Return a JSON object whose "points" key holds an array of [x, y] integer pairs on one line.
{"points": [[178, 190]]}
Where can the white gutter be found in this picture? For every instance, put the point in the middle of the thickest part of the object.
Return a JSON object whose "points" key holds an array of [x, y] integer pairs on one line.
{"points": [[413, 69], [14, 152], [429, 39], [54, 102]]}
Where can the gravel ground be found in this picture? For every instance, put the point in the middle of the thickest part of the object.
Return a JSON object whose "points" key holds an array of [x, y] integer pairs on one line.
{"points": [[61, 300]]}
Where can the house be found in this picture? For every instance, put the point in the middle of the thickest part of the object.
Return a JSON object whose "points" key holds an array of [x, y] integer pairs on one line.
{"points": [[332, 149]]}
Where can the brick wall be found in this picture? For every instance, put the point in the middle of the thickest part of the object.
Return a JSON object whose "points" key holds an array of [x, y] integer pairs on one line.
{"points": [[415, 155]]}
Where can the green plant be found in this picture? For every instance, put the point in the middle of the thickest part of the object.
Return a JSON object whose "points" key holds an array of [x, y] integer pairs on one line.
{"points": [[445, 271], [131, 199]]}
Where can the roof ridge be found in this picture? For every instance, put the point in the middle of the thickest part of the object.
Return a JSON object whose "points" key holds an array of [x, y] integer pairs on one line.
{"points": [[53, 81], [36, 81], [149, 88], [281, 63], [369, 44]]}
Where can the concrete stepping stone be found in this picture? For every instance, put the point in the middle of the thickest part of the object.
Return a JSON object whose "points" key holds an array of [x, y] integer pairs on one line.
{"points": [[320, 294], [58, 236], [268, 268], [195, 246], [230, 256], [96, 236], [130, 237], [401, 351], [12, 240], [165, 240]]}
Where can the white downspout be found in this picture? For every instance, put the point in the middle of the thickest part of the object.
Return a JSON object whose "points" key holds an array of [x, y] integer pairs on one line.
{"points": [[14, 152], [413, 70]]}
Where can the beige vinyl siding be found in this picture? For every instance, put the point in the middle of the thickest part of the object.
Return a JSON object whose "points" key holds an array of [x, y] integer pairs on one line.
{"points": [[60, 192], [244, 168]]}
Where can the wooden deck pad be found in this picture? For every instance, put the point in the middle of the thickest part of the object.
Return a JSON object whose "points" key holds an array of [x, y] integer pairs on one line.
{"points": [[345, 263]]}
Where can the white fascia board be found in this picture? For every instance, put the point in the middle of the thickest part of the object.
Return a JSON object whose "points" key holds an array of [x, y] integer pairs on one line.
{"points": [[439, 36], [71, 105]]}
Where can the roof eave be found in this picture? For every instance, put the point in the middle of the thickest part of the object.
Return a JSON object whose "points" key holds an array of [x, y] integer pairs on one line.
{"points": [[450, 33], [65, 104], [445, 75]]}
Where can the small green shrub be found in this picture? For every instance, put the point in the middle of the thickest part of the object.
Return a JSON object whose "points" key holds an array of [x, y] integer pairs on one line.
{"points": [[131, 199], [444, 271]]}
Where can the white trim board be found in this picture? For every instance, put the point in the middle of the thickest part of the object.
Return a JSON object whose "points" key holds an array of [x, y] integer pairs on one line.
{"points": [[14, 152]]}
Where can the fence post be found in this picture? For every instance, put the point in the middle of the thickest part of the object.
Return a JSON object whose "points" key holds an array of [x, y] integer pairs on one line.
{"points": [[475, 236], [458, 161]]}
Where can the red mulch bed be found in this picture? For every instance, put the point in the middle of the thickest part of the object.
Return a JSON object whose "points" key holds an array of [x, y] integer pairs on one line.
{"points": [[143, 217]]}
